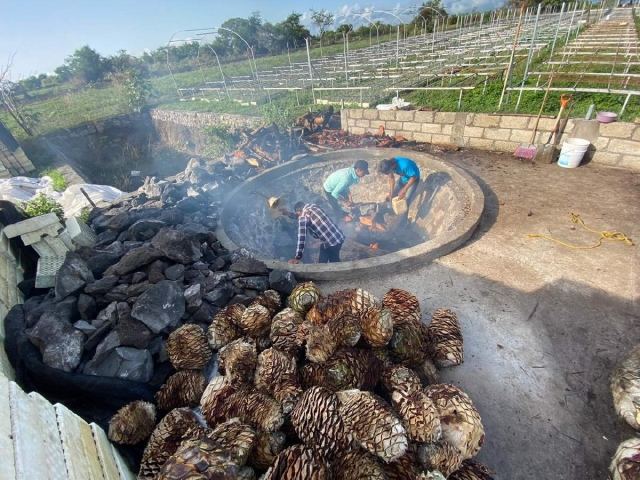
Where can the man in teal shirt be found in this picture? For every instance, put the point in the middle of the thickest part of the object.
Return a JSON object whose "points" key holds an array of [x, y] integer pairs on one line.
{"points": [[337, 187], [408, 177]]}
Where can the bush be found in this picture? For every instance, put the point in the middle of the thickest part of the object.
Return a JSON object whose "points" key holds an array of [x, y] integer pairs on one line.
{"points": [[281, 115], [220, 141], [41, 205], [83, 215], [57, 179]]}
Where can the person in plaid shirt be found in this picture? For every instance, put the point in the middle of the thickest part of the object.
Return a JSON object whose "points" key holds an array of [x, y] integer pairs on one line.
{"points": [[312, 218]]}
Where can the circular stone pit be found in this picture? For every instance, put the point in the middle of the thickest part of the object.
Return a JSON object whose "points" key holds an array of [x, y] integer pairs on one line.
{"points": [[448, 201]]}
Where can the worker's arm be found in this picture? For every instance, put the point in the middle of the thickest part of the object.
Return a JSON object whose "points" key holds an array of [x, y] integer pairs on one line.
{"points": [[403, 192], [391, 185], [302, 237]]}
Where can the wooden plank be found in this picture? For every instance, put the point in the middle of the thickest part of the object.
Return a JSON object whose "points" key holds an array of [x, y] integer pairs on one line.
{"points": [[7, 459], [105, 453], [79, 448], [36, 441]]}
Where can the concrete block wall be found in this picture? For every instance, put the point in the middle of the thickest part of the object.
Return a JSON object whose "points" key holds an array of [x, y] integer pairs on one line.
{"points": [[616, 144], [11, 273], [14, 162]]}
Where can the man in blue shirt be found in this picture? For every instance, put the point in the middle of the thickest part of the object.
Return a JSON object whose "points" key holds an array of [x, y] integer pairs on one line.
{"points": [[408, 177], [337, 187]]}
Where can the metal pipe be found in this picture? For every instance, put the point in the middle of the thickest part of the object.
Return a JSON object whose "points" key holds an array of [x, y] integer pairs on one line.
{"points": [[555, 37], [571, 23], [529, 57], [626, 102], [313, 93], [507, 78]]}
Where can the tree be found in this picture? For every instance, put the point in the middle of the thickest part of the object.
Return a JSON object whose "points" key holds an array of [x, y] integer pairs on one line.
{"points": [[122, 61], [427, 13], [32, 82], [247, 28], [344, 28], [9, 101], [137, 89], [290, 31], [321, 19], [86, 64]]}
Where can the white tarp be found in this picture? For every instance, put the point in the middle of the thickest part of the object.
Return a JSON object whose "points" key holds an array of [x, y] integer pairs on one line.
{"points": [[395, 104], [23, 189]]}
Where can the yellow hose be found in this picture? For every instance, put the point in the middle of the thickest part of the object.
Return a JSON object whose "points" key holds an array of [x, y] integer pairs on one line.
{"points": [[604, 235]]}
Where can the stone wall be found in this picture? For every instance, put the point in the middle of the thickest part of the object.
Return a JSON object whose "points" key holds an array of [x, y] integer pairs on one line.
{"points": [[183, 130], [616, 144], [101, 152]]}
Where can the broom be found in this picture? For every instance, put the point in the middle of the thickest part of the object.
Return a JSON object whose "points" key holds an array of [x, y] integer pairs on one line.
{"points": [[528, 150]]}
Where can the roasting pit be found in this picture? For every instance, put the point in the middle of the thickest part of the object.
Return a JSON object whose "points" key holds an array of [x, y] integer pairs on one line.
{"points": [[446, 210]]}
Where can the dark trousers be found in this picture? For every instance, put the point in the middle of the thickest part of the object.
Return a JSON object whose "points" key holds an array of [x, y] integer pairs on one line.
{"points": [[329, 254], [337, 209]]}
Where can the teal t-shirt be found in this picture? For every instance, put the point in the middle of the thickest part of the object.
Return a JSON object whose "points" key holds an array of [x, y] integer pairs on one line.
{"points": [[339, 182], [407, 168]]}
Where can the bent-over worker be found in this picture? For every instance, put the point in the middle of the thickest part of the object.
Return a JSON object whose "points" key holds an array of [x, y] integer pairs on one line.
{"points": [[337, 187], [313, 219], [408, 177]]}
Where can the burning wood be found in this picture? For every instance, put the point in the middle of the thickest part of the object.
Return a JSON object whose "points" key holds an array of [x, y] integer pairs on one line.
{"points": [[265, 147], [312, 121]]}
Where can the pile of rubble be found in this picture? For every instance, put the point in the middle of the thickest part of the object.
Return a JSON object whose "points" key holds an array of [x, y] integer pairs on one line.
{"points": [[338, 139], [265, 147]]}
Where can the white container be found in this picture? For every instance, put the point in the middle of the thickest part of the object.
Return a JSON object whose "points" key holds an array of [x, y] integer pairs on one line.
{"points": [[399, 205], [573, 150]]}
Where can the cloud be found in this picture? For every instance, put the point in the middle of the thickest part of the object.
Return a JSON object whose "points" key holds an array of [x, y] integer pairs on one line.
{"points": [[466, 6]]}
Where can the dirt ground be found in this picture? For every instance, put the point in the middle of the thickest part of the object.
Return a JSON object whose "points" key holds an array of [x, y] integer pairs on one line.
{"points": [[543, 325]]}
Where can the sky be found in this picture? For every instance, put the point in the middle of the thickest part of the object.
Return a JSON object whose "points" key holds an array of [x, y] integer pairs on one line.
{"points": [[41, 33]]}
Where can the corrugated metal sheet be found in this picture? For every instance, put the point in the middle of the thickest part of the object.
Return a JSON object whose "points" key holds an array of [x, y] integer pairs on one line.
{"points": [[42, 441]]}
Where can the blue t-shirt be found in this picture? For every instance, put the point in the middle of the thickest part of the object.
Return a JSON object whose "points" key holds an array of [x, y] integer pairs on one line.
{"points": [[407, 168]]}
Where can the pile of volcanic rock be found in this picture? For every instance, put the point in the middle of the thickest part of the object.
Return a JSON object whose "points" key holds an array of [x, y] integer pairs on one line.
{"points": [[156, 266]]}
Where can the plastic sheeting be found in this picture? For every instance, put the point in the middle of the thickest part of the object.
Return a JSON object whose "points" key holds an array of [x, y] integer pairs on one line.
{"points": [[23, 189], [395, 104]]}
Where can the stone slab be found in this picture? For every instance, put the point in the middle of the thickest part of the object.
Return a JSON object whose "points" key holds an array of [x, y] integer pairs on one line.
{"points": [[35, 236], [30, 225]]}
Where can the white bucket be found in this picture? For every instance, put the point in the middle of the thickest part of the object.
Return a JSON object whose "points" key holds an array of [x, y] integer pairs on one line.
{"points": [[573, 149]]}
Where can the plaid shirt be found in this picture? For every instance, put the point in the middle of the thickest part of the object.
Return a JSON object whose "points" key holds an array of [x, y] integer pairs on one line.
{"points": [[320, 226]]}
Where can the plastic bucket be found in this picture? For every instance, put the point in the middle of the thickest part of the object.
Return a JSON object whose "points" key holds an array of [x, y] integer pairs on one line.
{"points": [[573, 150]]}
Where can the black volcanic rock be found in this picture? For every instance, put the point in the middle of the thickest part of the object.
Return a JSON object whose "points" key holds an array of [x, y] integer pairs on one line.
{"points": [[177, 246]]}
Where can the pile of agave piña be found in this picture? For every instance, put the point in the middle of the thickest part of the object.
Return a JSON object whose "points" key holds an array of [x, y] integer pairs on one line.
{"points": [[625, 386], [342, 386]]}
